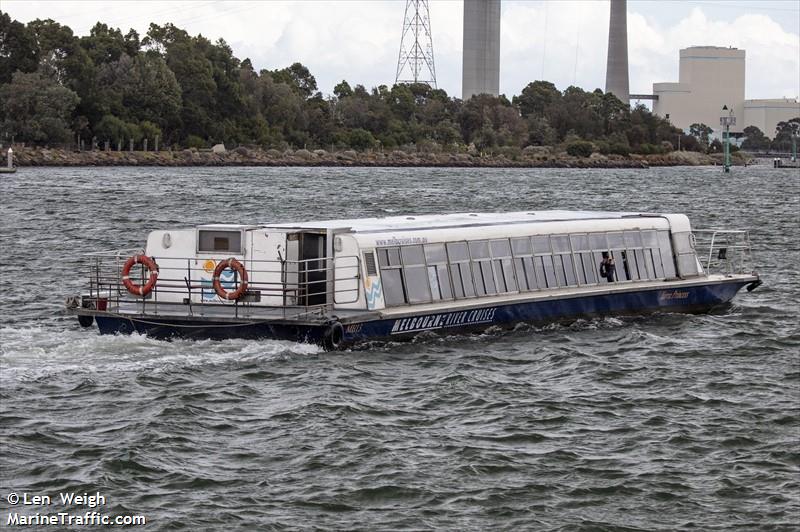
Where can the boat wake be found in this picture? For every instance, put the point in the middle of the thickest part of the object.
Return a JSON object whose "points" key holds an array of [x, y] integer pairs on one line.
{"points": [[39, 353]]}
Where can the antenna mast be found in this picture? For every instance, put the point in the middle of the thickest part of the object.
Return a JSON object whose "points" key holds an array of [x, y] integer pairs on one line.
{"points": [[415, 62]]}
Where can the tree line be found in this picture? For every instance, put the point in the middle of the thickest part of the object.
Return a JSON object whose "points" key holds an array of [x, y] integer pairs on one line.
{"points": [[186, 91]]}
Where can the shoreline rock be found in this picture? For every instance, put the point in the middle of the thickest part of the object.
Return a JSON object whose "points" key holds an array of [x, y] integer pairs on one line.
{"points": [[541, 158]]}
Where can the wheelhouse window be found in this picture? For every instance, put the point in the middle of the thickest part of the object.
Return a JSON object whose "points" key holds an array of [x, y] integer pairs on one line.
{"points": [[460, 270], [523, 262], [562, 258], [584, 262], [667, 259], [482, 268], [213, 240], [598, 243], [616, 246], [633, 243], [652, 255], [503, 266], [416, 274], [394, 292], [544, 261], [438, 273]]}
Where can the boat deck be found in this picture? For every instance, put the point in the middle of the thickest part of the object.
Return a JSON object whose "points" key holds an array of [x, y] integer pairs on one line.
{"points": [[230, 313]]}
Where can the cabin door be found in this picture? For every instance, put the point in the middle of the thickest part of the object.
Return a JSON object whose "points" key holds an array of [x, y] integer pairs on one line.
{"points": [[311, 268]]}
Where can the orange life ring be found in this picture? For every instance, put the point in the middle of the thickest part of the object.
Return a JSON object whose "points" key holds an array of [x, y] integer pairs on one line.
{"points": [[234, 265], [148, 263]]}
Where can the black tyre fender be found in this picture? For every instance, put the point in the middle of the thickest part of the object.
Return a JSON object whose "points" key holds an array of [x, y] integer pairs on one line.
{"points": [[333, 338], [86, 320]]}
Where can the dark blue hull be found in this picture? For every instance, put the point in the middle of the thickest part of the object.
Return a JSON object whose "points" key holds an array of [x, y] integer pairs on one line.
{"points": [[677, 298], [167, 328]]}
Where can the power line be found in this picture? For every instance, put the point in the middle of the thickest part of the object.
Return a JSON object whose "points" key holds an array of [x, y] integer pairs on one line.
{"points": [[754, 6], [544, 43]]}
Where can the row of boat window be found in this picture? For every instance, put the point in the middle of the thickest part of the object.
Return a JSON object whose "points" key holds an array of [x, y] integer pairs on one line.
{"points": [[458, 270]]}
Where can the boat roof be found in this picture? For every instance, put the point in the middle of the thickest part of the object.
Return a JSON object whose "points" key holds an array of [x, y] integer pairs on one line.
{"points": [[448, 221]]}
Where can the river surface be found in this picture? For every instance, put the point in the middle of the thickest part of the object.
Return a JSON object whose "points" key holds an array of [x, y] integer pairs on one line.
{"points": [[658, 423]]}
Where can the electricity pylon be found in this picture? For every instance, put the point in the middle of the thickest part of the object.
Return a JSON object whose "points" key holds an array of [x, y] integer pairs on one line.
{"points": [[415, 63]]}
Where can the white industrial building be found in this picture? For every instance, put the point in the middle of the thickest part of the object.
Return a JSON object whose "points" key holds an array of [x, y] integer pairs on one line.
{"points": [[711, 77], [765, 114]]}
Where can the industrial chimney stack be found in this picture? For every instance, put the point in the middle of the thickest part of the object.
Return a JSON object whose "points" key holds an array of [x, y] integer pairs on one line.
{"points": [[481, 54], [617, 65]]}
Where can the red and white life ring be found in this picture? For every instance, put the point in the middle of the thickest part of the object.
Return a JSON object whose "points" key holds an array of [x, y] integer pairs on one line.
{"points": [[148, 263], [237, 266]]}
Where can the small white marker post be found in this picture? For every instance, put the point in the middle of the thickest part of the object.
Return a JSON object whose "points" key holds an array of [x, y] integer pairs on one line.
{"points": [[10, 157]]}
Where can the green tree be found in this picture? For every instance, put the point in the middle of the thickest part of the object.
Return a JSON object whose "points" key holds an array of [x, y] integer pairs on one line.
{"points": [[194, 73], [536, 97], [488, 120], [785, 131], [19, 50], [701, 133], [152, 92], [112, 129], [36, 109], [193, 141], [150, 131], [105, 44], [577, 112], [580, 148], [140, 88], [298, 77], [342, 90], [539, 132], [615, 114], [62, 58], [361, 139], [754, 139], [281, 107]]}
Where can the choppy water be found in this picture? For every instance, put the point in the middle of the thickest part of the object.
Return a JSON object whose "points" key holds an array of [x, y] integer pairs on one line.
{"points": [[666, 422]]}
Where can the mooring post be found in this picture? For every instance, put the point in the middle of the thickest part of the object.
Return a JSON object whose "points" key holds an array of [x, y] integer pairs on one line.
{"points": [[105, 145], [155, 147], [144, 146], [130, 144], [10, 157]]}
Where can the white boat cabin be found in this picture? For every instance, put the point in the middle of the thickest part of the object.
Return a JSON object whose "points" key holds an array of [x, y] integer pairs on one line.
{"points": [[378, 263]]}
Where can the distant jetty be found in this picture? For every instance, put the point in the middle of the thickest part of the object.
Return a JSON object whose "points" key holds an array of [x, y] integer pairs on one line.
{"points": [[538, 157]]}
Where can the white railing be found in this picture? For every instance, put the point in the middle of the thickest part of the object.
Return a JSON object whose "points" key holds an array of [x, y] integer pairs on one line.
{"points": [[285, 287], [724, 251]]}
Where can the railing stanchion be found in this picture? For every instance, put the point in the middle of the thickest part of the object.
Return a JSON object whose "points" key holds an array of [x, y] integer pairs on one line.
{"points": [[189, 285]]}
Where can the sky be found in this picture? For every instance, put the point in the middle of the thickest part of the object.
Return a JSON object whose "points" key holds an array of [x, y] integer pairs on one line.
{"points": [[563, 41]]}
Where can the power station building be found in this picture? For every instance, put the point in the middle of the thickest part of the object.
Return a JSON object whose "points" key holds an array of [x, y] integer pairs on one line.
{"points": [[709, 78], [480, 72]]}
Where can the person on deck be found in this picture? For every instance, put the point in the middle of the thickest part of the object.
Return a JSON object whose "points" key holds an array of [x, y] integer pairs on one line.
{"points": [[607, 267]]}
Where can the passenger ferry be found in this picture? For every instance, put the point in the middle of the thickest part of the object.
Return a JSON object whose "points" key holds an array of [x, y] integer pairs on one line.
{"points": [[339, 282]]}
